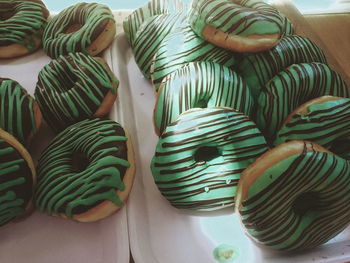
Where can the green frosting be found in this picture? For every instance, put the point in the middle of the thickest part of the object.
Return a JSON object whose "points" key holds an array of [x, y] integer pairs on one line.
{"points": [[244, 17], [141, 15], [183, 46], [16, 110], [199, 157], [92, 18], [71, 88], [27, 19], [300, 202], [82, 167], [293, 87], [16, 183], [327, 124], [200, 85], [258, 68], [150, 36]]}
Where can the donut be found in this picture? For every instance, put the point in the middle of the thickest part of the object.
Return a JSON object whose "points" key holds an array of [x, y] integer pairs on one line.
{"points": [[74, 87], [86, 172], [133, 22], [85, 27], [295, 196], [20, 115], [149, 37], [291, 88], [22, 23], [17, 180], [200, 156], [258, 68], [324, 120], [183, 46], [240, 25], [200, 85]]}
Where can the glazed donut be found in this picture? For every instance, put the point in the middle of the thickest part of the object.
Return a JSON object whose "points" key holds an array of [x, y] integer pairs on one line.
{"points": [[84, 27], [240, 25], [183, 46], [86, 172], [141, 15], [200, 156], [324, 120], [74, 87], [296, 196], [258, 68], [200, 85], [293, 87], [20, 115], [17, 180], [22, 23], [149, 37]]}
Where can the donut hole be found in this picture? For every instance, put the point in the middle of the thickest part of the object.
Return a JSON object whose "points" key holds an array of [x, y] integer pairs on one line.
{"points": [[202, 104], [206, 153], [7, 13], [306, 202], [73, 28], [79, 162]]}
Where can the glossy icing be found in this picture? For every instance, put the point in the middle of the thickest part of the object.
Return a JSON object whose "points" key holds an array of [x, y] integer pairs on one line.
{"points": [[200, 156], [293, 87], [90, 17], [200, 85], [326, 123], [300, 202], [71, 88], [16, 110], [183, 46], [28, 20], [258, 68], [81, 167]]}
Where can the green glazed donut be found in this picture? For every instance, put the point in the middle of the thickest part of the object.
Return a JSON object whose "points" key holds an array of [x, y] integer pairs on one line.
{"points": [[296, 196], [293, 87], [199, 157], [324, 120], [258, 68], [183, 46], [74, 87], [200, 85], [86, 171]]}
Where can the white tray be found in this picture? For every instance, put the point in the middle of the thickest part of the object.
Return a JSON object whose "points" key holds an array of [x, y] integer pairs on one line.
{"points": [[41, 238]]}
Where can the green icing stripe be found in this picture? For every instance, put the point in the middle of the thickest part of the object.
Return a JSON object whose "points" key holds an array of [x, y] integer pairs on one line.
{"points": [[98, 150], [183, 46], [151, 35], [200, 85], [16, 110], [71, 88], [300, 202], [258, 68], [293, 87], [15, 183], [327, 124], [92, 17], [199, 157], [244, 17], [28, 19], [141, 15]]}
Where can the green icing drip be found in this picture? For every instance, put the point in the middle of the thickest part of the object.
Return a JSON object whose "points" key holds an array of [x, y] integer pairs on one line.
{"points": [[183, 46], [198, 83], [293, 87], [16, 110], [200, 156], [273, 216], [91, 16], [71, 88], [60, 189], [28, 20]]}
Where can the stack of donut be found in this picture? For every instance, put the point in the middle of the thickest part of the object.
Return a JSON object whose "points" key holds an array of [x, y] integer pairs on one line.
{"points": [[87, 170], [249, 115]]}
